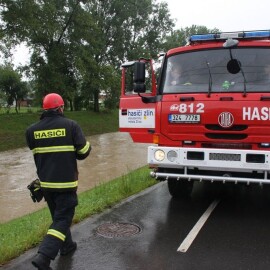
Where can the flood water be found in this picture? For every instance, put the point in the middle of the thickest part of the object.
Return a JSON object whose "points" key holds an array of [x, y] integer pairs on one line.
{"points": [[112, 155]]}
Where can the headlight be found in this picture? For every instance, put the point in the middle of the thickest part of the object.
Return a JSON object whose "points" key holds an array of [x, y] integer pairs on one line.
{"points": [[159, 155], [172, 156]]}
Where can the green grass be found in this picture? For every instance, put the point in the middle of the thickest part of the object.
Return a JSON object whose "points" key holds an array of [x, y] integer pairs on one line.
{"points": [[24, 233], [13, 126]]}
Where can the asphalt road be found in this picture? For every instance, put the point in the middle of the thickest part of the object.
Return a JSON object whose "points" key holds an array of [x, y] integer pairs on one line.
{"points": [[220, 227]]}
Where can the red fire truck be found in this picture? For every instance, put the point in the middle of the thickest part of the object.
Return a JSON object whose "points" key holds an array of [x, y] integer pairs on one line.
{"points": [[207, 115]]}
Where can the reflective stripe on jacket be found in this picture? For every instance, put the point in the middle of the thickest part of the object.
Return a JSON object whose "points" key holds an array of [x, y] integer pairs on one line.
{"points": [[60, 185], [53, 149]]}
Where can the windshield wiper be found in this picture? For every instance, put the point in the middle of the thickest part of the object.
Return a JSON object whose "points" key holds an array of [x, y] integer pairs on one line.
{"points": [[210, 81], [245, 81]]}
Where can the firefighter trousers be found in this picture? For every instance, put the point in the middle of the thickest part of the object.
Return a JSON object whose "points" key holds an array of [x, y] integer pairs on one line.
{"points": [[62, 208]]}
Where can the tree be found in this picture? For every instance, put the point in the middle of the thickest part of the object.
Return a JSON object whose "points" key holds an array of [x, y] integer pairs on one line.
{"points": [[74, 43], [12, 86], [124, 30], [46, 27], [179, 37], [129, 29]]}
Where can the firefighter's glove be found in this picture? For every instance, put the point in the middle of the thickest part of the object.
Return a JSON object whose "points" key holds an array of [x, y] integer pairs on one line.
{"points": [[35, 191]]}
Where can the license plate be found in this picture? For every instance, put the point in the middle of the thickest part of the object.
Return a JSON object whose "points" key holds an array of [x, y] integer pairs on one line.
{"points": [[184, 118]]}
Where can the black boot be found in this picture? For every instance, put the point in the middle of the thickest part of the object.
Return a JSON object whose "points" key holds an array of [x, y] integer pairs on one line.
{"points": [[42, 262], [68, 248]]}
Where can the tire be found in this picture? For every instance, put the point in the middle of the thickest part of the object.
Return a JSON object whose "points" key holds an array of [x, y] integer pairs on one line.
{"points": [[180, 188]]}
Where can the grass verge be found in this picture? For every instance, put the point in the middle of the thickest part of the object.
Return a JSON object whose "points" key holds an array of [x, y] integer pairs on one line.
{"points": [[13, 126], [26, 232]]}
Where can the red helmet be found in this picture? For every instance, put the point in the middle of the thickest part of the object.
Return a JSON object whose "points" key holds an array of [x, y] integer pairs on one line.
{"points": [[52, 101]]}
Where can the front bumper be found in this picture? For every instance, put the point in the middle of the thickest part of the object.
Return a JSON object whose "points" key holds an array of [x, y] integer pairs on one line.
{"points": [[210, 164]]}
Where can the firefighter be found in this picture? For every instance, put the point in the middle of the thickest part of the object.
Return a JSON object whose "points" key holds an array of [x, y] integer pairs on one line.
{"points": [[176, 75], [57, 143]]}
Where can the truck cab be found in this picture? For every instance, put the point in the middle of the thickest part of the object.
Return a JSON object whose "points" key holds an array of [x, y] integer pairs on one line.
{"points": [[207, 115]]}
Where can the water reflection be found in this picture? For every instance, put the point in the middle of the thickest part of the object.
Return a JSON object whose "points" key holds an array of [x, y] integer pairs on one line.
{"points": [[113, 155]]}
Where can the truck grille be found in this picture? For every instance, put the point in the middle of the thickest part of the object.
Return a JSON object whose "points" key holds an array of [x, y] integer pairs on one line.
{"points": [[227, 145], [224, 156], [249, 158], [226, 136], [233, 128]]}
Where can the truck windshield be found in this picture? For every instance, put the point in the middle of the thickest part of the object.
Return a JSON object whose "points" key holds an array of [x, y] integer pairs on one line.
{"points": [[204, 71]]}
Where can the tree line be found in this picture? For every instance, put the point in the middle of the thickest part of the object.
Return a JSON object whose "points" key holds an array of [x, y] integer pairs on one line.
{"points": [[77, 46]]}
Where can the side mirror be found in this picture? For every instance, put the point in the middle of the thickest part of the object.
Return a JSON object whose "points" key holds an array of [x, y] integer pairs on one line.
{"points": [[139, 77]]}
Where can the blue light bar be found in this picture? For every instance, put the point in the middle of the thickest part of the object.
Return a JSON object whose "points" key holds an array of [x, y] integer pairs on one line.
{"points": [[203, 37], [262, 34], [239, 35]]}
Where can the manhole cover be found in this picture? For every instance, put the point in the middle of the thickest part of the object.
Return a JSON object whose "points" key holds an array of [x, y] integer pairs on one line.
{"points": [[112, 230]]}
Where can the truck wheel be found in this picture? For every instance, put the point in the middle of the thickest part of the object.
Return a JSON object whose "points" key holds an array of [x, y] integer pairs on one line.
{"points": [[180, 188]]}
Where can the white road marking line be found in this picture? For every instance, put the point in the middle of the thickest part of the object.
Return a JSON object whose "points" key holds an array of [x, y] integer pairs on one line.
{"points": [[197, 227]]}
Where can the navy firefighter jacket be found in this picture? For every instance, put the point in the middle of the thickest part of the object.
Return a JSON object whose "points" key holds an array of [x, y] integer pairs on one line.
{"points": [[57, 143]]}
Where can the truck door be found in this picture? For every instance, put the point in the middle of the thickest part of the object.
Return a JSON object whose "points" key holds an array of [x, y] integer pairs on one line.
{"points": [[137, 112]]}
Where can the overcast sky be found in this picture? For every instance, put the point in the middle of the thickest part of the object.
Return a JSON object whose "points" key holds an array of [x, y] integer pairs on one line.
{"points": [[229, 15]]}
